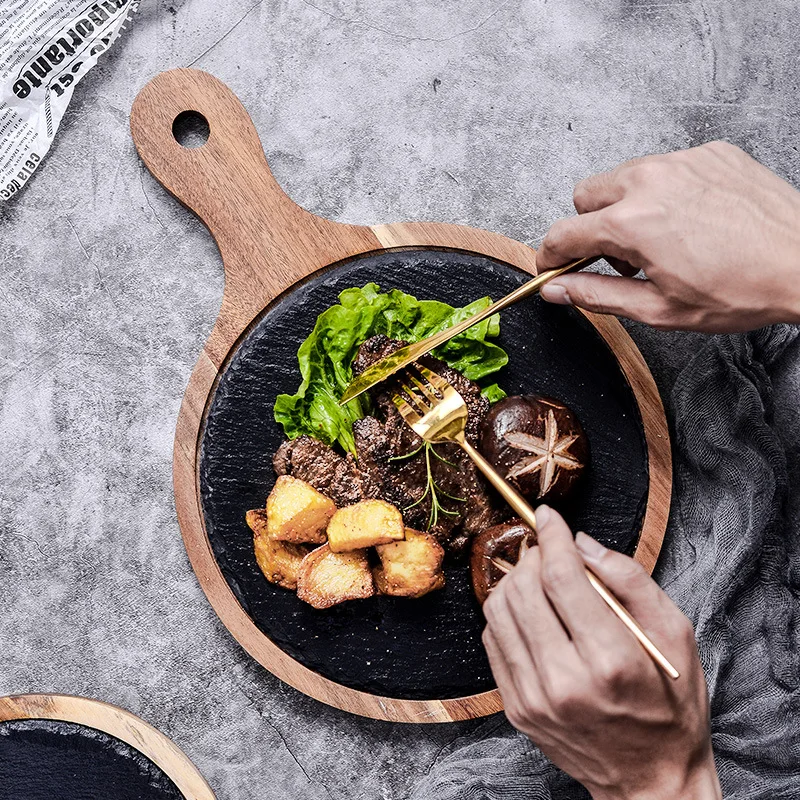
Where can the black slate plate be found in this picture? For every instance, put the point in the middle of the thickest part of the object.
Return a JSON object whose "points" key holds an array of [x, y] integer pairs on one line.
{"points": [[428, 648], [52, 760]]}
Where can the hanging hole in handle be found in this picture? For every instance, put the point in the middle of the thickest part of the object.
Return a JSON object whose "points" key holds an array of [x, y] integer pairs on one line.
{"points": [[190, 129]]}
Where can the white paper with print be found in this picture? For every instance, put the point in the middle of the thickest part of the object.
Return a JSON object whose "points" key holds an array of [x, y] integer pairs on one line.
{"points": [[46, 47]]}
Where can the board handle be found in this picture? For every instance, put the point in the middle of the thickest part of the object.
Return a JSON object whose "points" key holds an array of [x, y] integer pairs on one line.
{"points": [[226, 180], [266, 240], [221, 180]]}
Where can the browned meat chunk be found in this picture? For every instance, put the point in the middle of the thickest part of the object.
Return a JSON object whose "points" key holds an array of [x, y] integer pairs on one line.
{"points": [[378, 347], [337, 477], [403, 481], [467, 505]]}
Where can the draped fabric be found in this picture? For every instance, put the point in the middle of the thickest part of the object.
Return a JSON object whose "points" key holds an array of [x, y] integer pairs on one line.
{"points": [[731, 561]]}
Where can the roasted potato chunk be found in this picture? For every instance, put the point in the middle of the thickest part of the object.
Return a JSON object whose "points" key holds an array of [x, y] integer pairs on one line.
{"points": [[410, 568], [368, 523], [297, 512], [279, 561], [326, 578]]}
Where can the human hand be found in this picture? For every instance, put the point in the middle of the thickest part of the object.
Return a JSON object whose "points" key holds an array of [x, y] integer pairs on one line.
{"points": [[575, 681], [716, 234]]}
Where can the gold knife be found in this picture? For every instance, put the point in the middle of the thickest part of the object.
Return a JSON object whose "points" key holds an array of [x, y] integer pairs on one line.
{"points": [[407, 355]]}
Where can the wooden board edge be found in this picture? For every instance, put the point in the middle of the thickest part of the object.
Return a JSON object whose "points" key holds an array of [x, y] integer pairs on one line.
{"points": [[656, 431], [116, 722], [458, 237], [213, 583]]}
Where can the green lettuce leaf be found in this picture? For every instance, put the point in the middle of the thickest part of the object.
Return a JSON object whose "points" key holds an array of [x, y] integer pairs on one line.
{"points": [[325, 357], [493, 393]]}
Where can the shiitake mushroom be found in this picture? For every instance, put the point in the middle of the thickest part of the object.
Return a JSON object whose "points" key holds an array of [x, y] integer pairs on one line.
{"points": [[495, 551], [537, 444]]}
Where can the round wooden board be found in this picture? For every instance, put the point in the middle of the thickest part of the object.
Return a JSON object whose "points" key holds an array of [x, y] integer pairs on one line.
{"points": [[268, 243], [116, 722]]}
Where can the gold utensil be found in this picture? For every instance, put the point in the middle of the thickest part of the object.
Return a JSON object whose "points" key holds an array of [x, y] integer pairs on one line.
{"points": [[437, 413], [406, 355]]}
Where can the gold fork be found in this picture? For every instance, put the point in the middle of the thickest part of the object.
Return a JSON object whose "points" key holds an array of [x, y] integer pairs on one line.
{"points": [[437, 413]]}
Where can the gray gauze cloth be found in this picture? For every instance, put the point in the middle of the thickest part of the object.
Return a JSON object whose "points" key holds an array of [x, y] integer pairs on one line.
{"points": [[731, 561]]}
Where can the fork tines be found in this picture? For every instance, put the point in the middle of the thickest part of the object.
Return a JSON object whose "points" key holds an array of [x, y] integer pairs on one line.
{"points": [[426, 392]]}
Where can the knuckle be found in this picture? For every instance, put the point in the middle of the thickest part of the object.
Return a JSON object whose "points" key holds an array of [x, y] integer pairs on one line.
{"points": [[532, 704], [565, 698], [591, 300], [612, 673], [646, 172], [558, 573], [671, 311], [556, 236], [623, 224], [527, 708], [517, 715], [516, 593], [628, 570], [490, 607], [581, 195]]}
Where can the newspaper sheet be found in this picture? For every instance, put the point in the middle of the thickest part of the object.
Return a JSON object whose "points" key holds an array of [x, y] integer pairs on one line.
{"points": [[46, 47]]}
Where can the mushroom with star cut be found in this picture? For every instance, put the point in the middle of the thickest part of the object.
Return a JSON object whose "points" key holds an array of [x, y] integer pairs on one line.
{"points": [[538, 445]]}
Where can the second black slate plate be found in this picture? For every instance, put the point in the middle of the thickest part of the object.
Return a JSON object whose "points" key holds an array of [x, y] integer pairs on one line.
{"points": [[46, 759], [428, 648]]}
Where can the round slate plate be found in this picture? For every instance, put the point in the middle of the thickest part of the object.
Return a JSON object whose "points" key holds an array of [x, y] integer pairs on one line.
{"points": [[44, 759], [428, 648], [60, 747]]}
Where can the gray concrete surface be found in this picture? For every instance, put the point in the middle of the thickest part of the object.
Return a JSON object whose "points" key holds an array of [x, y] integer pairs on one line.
{"points": [[472, 112]]}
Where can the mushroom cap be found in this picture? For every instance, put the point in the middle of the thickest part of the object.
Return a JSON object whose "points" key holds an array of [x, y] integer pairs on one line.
{"points": [[495, 551]]}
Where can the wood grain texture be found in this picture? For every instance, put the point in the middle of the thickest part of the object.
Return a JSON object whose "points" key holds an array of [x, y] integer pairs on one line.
{"points": [[268, 243], [118, 723]]}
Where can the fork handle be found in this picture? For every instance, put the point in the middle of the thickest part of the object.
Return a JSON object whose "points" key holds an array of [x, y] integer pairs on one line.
{"points": [[526, 512], [506, 490], [632, 625]]}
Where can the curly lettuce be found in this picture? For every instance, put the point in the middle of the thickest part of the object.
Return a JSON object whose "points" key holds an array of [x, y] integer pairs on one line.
{"points": [[326, 356]]}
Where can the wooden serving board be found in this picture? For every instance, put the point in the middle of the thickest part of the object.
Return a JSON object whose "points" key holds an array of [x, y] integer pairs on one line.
{"points": [[269, 245], [74, 761]]}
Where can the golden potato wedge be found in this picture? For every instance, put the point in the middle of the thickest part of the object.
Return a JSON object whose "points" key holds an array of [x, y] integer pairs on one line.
{"points": [[257, 521], [297, 512], [410, 568], [326, 578], [279, 561], [365, 524]]}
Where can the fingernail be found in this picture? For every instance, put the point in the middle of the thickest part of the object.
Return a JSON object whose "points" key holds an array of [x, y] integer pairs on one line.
{"points": [[590, 548], [542, 516], [556, 293]]}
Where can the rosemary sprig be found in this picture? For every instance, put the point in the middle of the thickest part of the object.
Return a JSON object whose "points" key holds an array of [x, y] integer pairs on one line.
{"points": [[410, 454], [431, 487]]}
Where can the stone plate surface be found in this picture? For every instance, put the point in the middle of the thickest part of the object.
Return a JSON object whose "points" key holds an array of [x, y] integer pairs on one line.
{"points": [[428, 648], [48, 759]]}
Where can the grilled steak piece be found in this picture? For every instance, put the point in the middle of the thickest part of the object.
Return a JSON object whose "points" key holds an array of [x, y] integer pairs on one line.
{"points": [[380, 346], [386, 468], [381, 447], [337, 477], [403, 481]]}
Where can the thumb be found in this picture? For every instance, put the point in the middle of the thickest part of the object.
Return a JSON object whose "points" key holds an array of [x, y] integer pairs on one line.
{"points": [[606, 294]]}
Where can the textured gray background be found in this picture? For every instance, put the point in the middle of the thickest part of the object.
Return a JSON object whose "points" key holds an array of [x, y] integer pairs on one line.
{"points": [[472, 112]]}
